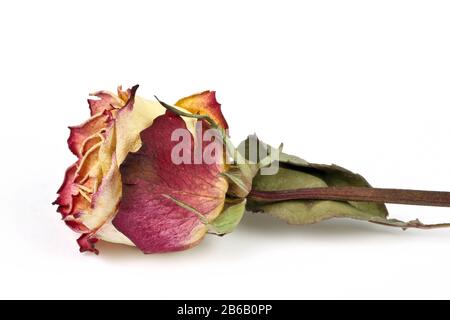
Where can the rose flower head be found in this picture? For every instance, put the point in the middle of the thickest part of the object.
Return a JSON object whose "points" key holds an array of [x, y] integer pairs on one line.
{"points": [[135, 183]]}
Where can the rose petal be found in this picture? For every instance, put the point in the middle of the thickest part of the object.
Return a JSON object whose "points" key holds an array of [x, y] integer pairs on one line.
{"points": [[86, 135], [204, 103], [108, 232], [105, 201], [106, 101], [76, 226], [147, 214], [87, 243], [137, 115], [66, 191]]}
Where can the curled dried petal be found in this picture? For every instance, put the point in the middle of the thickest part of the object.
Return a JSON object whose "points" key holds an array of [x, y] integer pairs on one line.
{"points": [[204, 103]]}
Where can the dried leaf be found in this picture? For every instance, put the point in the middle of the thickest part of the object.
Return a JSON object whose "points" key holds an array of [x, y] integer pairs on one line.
{"points": [[229, 218], [296, 173]]}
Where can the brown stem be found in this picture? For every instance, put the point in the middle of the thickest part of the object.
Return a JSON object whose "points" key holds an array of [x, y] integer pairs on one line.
{"points": [[399, 196]]}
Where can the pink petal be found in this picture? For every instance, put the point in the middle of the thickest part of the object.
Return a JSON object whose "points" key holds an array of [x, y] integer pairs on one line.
{"points": [[106, 101], [151, 220], [87, 243]]}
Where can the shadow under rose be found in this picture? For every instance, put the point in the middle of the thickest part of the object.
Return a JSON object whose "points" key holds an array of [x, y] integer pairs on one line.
{"points": [[112, 251], [332, 228], [255, 228]]}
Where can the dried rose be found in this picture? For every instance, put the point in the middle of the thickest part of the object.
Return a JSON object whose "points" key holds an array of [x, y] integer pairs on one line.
{"points": [[127, 187], [92, 189]]}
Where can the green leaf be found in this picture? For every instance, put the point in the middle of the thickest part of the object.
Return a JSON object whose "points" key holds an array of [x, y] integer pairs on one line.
{"points": [[296, 173], [241, 173], [228, 220], [335, 176], [307, 212], [287, 179]]}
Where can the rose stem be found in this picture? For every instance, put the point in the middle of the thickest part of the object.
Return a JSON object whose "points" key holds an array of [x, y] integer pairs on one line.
{"points": [[398, 196]]}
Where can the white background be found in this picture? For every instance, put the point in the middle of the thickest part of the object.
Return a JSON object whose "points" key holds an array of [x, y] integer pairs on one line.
{"points": [[364, 84]]}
